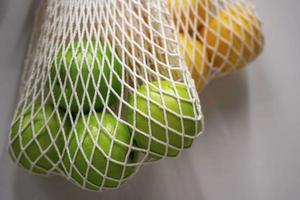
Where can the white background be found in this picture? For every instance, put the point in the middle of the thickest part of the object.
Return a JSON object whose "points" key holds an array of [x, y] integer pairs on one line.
{"points": [[251, 146]]}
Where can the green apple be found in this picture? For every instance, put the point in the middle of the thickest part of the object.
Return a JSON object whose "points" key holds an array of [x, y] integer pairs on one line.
{"points": [[37, 139], [89, 148], [163, 130], [92, 76]]}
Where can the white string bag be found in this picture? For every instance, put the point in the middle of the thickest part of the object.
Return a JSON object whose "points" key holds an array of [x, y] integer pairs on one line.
{"points": [[216, 36], [104, 92]]}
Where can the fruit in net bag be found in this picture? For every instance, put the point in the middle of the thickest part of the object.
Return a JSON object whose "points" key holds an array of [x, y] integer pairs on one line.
{"points": [[164, 118], [87, 60], [84, 74], [233, 37], [196, 59], [37, 138], [190, 14], [98, 152]]}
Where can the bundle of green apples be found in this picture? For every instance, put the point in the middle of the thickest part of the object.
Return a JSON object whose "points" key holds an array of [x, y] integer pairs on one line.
{"points": [[78, 134]]}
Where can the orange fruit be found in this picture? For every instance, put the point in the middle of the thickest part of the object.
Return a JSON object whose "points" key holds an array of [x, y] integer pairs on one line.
{"points": [[195, 57], [233, 38]]}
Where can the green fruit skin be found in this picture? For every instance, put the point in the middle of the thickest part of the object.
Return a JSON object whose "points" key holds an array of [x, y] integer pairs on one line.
{"points": [[26, 128], [157, 113], [79, 59], [87, 140]]}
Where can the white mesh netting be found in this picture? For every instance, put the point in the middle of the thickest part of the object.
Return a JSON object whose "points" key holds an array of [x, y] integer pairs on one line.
{"points": [[216, 36], [105, 89], [104, 92]]}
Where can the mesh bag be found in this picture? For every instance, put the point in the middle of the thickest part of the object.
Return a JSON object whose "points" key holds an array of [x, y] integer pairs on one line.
{"points": [[216, 36], [104, 92]]}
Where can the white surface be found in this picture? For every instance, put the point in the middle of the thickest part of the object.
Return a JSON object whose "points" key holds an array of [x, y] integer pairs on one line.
{"points": [[250, 149]]}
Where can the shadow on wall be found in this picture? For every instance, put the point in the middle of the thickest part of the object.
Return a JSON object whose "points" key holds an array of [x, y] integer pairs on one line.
{"points": [[228, 94], [29, 19], [225, 104], [3, 9], [25, 30]]}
